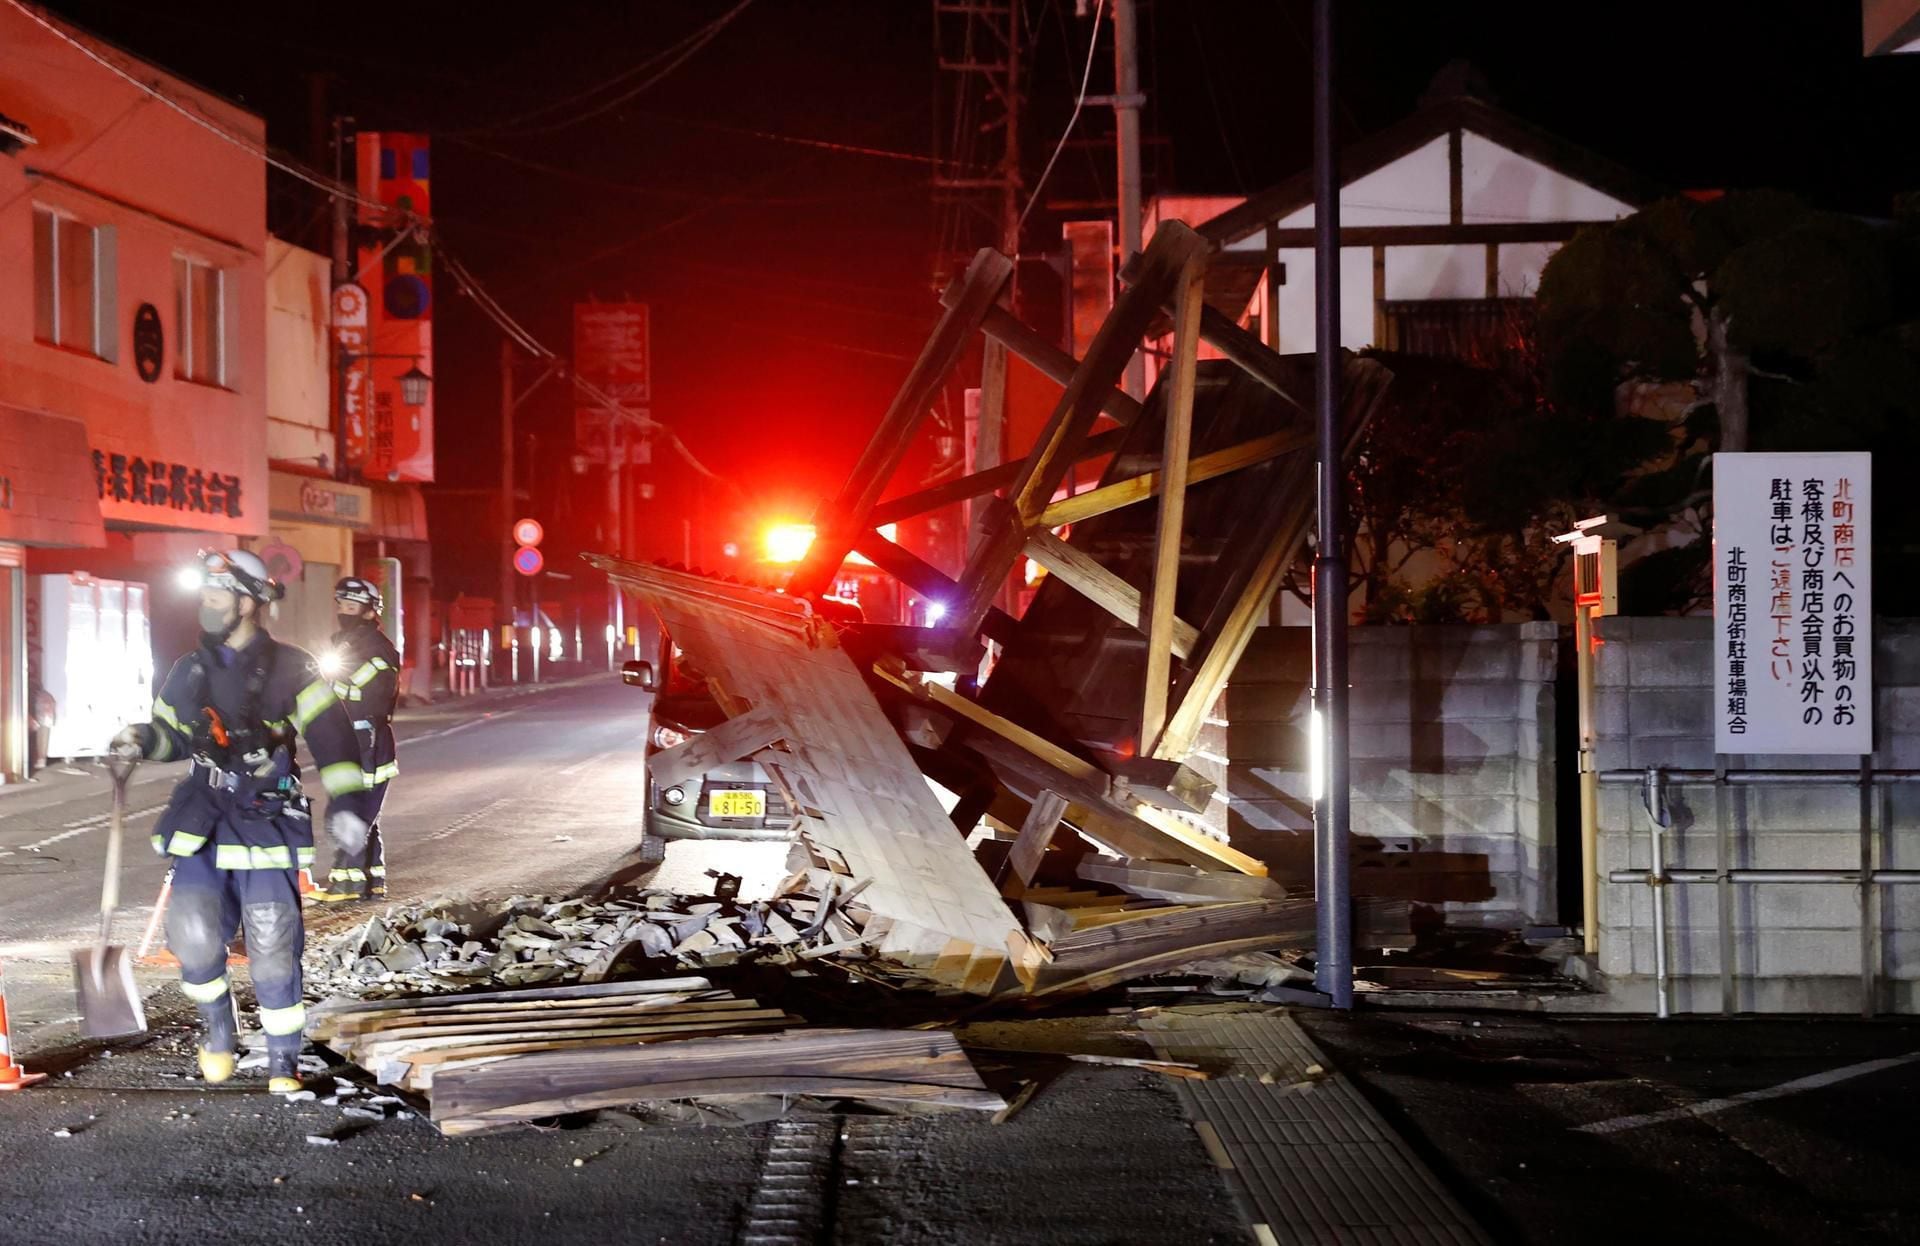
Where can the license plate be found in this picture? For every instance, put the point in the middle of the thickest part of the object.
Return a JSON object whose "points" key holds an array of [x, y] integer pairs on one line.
{"points": [[737, 804]]}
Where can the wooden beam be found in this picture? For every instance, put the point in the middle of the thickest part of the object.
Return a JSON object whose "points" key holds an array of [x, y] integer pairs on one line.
{"points": [[1036, 833], [1079, 572], [1038, 745], [987, 480], [929, 581], [1139, 488], [1049, 360], [1060, 443], [1440, 235], [1276, 276], [1226, 643], [1456, 198], [1493, 270], [1380, 298], [980, 286], [730, 741], [1175, 446]]}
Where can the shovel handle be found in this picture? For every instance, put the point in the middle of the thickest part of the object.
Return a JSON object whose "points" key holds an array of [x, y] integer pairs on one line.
{"points": [[110, 884]]}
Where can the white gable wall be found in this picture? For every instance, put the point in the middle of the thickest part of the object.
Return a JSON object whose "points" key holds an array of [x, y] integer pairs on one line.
{"points": [[1497, 186]]}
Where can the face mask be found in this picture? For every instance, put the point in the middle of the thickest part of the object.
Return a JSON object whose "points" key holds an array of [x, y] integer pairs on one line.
{"points": [[218, 624], [348, 622]]}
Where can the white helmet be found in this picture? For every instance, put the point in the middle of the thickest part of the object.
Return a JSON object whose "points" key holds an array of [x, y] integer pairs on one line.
{"points": [[239, 571]]}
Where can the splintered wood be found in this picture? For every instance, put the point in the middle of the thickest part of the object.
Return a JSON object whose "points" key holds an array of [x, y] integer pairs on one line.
{"points": [[492, 1059], [1069, 753]]}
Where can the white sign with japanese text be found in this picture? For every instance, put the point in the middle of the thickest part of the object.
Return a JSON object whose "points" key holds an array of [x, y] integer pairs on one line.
{"points": [[1792, 603]]}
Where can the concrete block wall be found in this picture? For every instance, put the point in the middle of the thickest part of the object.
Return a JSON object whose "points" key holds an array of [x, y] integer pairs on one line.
{"points": [[1795, 947], [1453, 763]]}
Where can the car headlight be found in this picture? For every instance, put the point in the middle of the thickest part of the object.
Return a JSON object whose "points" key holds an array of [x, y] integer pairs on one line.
{"points": [[674, 796], [665, 737]]}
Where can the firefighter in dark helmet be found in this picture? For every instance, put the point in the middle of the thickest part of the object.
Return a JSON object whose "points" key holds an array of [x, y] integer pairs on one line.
{"points": [[365, 670]]}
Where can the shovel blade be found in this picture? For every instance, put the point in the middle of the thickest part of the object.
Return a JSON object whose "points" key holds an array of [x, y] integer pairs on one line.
{"points": [[110, 1003]]}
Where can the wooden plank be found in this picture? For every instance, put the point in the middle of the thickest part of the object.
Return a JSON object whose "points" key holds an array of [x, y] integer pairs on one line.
{"points": [[913, 1066], [518, 1030], [1059, 443], [1178, 883], [1088, 960], [1014, 733], [1077, 570], [1139, 488], [1052, 362], [1172, 785], [1362, 389], [1036, 833], [349, 1029], [980, 483], [525, 995], [1176, 442], [979, 286], [732, 740]]}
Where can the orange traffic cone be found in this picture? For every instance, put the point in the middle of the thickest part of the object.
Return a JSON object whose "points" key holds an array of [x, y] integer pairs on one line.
{"points": [[12, 1076]]}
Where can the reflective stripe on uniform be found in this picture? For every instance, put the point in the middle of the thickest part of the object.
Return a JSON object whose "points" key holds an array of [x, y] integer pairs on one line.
{"points": [[342, 777], [383, 774], [165, 713], [284, 1020], [378, 871], [252, 857], [303, 857], [310, 702], [369, 670], [182, 844], [204, 992], [347, 876]]}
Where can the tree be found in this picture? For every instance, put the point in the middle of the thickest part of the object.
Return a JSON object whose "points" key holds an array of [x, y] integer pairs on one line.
{"points": [[1782, 326]]}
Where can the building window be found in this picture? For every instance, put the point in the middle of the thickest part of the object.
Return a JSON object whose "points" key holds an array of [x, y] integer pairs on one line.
{"points": [[72, 283], [200, 291]]}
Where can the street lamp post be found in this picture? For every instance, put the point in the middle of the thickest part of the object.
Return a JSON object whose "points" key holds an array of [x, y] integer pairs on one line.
{"points": [[414, 387]]}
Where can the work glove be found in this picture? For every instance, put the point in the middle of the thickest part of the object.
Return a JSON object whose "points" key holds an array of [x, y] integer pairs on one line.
{"points": [[131, 742], [348, 830]]}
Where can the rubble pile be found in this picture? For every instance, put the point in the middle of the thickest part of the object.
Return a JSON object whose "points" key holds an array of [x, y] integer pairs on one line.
{"points": [[446, 945]]}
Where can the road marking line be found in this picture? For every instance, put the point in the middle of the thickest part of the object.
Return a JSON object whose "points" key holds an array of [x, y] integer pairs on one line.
{"points": [[79, 828], [466, 820], [1709, 1106], [578, 766], [471, 722]]}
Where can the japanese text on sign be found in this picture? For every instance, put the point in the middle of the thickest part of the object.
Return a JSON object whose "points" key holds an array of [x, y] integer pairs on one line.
{"points": [[152, 482], [1793, 603]]}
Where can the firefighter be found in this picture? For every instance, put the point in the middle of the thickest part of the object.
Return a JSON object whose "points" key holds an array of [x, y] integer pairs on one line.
{"points": [[365, 669], [238, 829]]}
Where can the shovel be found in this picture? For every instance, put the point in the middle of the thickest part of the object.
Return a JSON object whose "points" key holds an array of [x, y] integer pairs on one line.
{"points": [[110, 1004]]}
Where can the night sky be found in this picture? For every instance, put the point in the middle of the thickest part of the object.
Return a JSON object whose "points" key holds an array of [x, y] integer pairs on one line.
{"points": [[792, 285]]}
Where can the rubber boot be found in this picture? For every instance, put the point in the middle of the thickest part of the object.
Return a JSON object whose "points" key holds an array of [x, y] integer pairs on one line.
{"points": [[217, 1052], [283, 1070]]}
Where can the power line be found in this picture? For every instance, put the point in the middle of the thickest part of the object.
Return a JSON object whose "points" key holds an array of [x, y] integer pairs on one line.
{"points": [[258, 150], [691, 45], [1086, 76]]}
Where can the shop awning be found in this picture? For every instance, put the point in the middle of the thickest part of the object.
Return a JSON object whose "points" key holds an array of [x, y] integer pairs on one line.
{"points": [[49, 495], [399, 512]]}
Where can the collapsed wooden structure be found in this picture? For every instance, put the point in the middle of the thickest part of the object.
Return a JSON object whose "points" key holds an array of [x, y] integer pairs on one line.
{"points": [[1098, 692]]}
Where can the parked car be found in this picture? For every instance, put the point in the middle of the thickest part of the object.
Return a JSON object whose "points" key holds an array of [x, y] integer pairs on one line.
{"points": [[735, 800]]}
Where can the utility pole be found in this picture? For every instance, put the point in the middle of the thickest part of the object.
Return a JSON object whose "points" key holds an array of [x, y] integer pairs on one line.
{"points": [[1126, 133], [1333, 899], [505, 528], [342, 258]]}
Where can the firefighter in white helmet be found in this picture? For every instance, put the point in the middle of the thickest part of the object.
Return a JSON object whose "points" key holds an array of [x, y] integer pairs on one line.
{"points": [[365, 670], [238, 830]]}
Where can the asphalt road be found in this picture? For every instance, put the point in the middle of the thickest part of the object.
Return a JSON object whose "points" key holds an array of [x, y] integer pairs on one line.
{"points": [[513, 794]]}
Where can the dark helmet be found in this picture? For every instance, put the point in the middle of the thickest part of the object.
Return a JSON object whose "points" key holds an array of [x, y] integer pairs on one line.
{"points": [[239, 571], [364, 592]]}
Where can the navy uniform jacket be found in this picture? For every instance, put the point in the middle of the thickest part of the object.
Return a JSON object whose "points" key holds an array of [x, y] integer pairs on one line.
{"points": [[368, 685], [237, 714]]}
